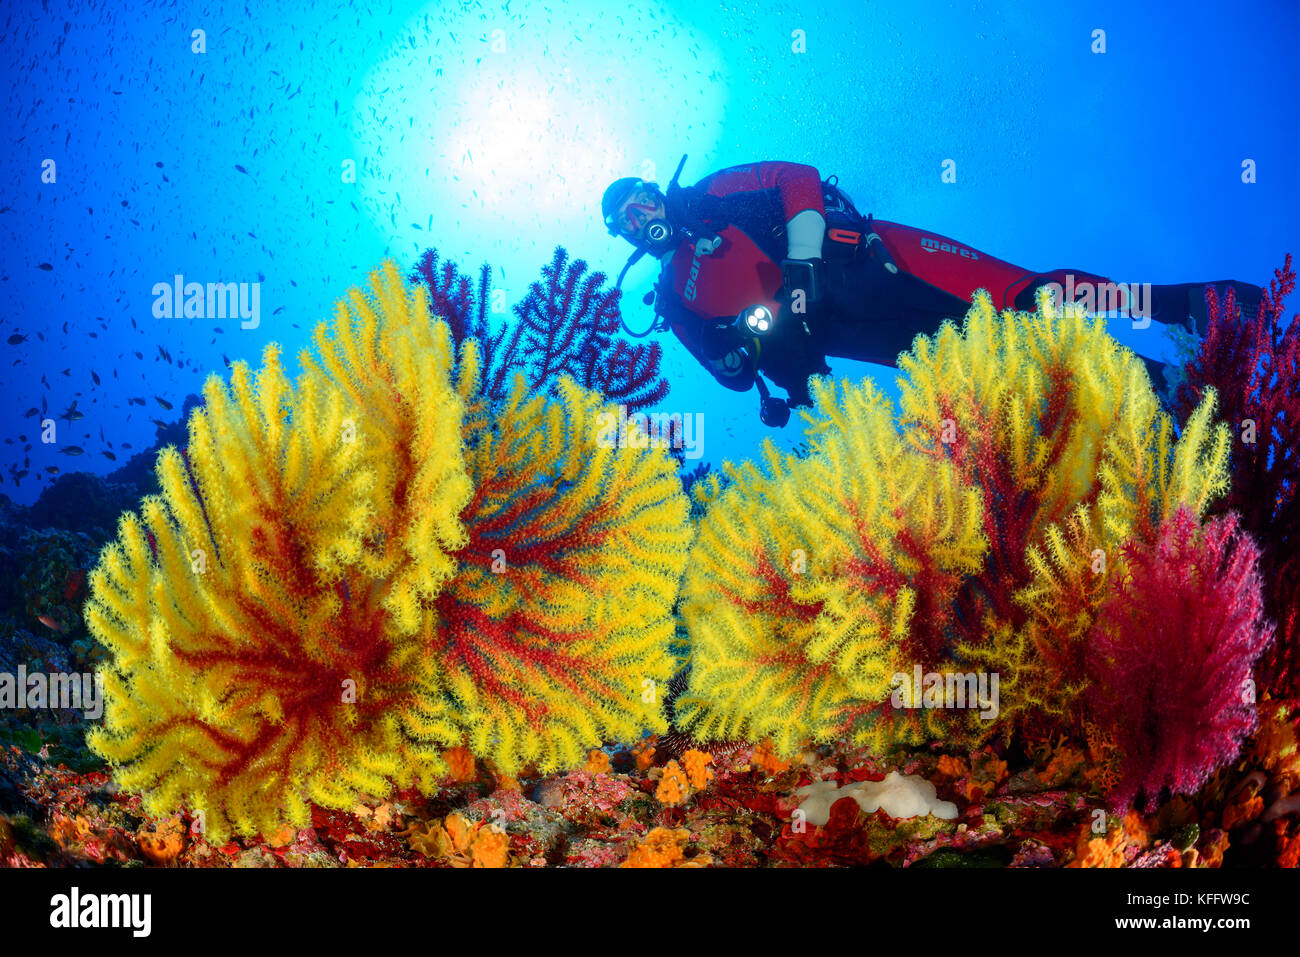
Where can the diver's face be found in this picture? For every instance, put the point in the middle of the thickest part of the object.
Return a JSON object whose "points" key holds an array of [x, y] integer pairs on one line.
{"points": [[637, 212]]}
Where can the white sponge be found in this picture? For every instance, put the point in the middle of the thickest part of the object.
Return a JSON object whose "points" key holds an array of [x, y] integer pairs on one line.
{"points": [[899, 795]]}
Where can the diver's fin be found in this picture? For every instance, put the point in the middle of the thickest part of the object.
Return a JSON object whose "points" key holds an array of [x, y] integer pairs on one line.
{"points": [[1184, 303]]}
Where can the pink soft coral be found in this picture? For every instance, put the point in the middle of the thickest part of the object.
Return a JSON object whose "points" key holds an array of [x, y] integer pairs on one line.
{"points": [[1173, 650], [1254, 365]]}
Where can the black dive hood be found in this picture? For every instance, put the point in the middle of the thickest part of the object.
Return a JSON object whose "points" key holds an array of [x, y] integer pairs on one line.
{"points": [[661, 235]]}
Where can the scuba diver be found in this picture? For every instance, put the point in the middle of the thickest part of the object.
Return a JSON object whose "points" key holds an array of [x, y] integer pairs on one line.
{"points": [[767, 269]]}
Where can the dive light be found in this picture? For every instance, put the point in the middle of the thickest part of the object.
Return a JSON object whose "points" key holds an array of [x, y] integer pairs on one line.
{"points": [[757, 319]]}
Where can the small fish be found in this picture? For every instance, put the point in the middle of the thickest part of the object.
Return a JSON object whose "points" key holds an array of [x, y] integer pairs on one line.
{"points": [[52, 469], [109, 455], [50, 623], [17, 338], [72, 450], [31, 412], [163, 402], [241, 169], [47, 267], [94, 376]]}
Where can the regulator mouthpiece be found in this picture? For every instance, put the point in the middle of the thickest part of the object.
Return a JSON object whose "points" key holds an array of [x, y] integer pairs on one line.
{"points": [[658, 234]]}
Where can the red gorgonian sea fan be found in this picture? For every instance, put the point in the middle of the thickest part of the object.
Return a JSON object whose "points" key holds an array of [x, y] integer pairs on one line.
{"points": [[1254, 365], [1172, 653], [567, 325]]}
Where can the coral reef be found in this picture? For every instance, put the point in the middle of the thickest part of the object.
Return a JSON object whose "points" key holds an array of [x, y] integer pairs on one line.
{"points": [[814, 581], [1254, 367], [1171, 656], [407, 611], [555, 631], [664, 848], [90, 504], [984, 525], [460, 842], [567, 326], [81, 502], [345, 576], [43, 580], [256, 663], [1037, 812], [899, 796], [1058, 428]]}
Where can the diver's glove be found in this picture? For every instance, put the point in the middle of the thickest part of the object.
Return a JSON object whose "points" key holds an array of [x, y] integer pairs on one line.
{"points": [[775, 412], [772, 411]]}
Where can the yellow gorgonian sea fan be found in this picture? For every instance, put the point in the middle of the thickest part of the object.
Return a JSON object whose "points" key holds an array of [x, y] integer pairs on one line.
{"points": [[1057, 425], [814, 581], [282, 618], [255, 663], [555, 633], [978, 531]]}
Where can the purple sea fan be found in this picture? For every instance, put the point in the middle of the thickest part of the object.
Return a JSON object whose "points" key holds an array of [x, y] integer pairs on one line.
{"points": [[1172, 653], [569, 324]]}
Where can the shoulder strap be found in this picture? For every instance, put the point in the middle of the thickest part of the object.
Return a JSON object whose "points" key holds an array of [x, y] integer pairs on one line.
{"points": [[840, 210]]}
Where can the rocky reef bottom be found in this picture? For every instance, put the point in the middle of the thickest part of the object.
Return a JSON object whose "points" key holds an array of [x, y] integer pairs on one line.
{"points": [[730, 806]]}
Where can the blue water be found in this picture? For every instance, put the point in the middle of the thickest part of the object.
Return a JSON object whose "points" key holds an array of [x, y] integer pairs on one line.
{"points": [[489, 130]]}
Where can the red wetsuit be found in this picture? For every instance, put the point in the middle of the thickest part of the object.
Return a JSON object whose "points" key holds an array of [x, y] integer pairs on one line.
{"points": [[869, 312]]}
